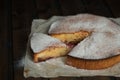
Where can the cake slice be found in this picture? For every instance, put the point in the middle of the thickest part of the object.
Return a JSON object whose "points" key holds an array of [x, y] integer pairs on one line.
{"points": [[45, 47]]}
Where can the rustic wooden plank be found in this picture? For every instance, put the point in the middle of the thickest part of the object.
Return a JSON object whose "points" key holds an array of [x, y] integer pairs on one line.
{"points": [[6, 43], [2, 46], [6, 68], [42, 8], [54, 9], [71, 7], [18, 74], [97, 7], [21, 30], [22, 19], [37, 79], [117, 78], [3, 41], [47, 8], [66, 78], [114, 5], [23, 14], [96, 78]]}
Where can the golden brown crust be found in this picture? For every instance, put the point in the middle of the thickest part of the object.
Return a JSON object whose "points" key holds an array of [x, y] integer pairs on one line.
{"points": [[51, 52], [92, 64], [71, 37]]}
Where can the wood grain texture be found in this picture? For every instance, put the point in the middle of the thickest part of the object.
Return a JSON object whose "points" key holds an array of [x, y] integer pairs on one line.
{"points": [[118, 78], [96, 78], [72, 7], [22, 19], [3, 47], [97, 7], [114, 5], [5, 41], [22, 16], [36, 79], [47, 8], [66, 78]]}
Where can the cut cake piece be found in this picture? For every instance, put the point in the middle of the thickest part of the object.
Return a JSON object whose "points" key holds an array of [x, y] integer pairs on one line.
{"points": [[45, 47]]}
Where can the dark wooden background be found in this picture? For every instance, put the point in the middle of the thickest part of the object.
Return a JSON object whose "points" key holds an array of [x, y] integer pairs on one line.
{"points": [[15, 22]]}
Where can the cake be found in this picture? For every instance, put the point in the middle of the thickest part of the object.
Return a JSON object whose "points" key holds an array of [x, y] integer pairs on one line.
{"points": [[45, 47], [89, 42]]}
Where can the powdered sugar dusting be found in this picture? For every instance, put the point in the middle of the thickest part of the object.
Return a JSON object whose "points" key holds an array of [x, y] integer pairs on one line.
{"points": [[85, 22], [40, 41], [98, 46]]}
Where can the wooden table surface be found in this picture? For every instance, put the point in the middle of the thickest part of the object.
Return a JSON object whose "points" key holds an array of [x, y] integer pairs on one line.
{"points": [[15, 24]]}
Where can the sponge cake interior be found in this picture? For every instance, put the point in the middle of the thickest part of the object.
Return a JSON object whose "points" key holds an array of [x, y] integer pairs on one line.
{"points": [[71, 37], [50, 52]]}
